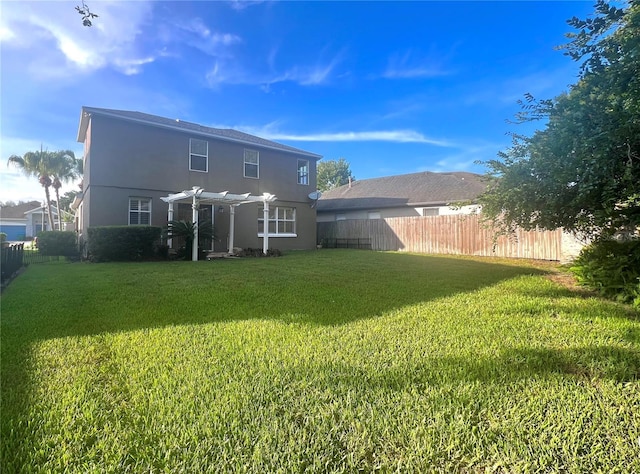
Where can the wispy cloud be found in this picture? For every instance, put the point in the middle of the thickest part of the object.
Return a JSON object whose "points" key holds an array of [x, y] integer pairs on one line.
{"points": [[410, 65], [466, 158], [541, 84], [271, 131], [230, 72], [396, 136], [242, 4], [195, 33]]}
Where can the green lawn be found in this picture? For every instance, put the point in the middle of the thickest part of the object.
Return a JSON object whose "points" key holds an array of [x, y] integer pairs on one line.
{"points": [[327, 361]]}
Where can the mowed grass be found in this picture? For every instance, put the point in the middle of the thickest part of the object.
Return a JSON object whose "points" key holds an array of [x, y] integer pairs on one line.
{"points": [[327, 361]]}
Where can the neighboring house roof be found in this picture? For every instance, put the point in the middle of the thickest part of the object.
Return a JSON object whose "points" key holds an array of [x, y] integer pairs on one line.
{"points": [[54, 210], [177, 124], [18, 211], [416, 189]]}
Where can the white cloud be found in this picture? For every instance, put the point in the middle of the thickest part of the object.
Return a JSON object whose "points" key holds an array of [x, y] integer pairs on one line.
{"points": [[410, 66], [228, 72], [198, 35], [242, 4], [6, 34], [396, 136], [58, 45], [271, 131]]}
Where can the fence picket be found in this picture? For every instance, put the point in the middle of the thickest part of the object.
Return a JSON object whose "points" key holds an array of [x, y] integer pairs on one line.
{"points": [[454, 234]]}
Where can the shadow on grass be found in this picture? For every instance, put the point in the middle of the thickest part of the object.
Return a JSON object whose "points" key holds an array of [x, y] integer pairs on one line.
{"points": [[322, 288], [329, 287], [512, 365]]}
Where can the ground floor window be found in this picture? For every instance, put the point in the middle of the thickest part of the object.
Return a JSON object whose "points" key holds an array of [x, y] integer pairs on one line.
{"points": [[139, 211], [282, 222]]}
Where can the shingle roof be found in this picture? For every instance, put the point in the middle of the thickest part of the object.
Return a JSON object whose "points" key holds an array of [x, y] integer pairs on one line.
{"points": [[220, 133], [17, 212], [416, 189]]}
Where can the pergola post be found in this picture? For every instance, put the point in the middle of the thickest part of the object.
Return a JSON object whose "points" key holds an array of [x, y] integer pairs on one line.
{"points": [[265, 238], [232, 225], [170, 217], [194, 219], [198, 195]]}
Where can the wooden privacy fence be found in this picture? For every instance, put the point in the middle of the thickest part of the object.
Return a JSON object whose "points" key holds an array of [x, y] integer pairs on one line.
{"points": [[455, 234]]}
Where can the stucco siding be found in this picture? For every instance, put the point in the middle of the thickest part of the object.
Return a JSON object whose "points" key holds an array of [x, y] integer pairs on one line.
{"points": [[128, 159]]}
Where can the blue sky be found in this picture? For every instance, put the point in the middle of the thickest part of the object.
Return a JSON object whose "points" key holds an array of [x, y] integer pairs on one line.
{"points": [[392, 87]]}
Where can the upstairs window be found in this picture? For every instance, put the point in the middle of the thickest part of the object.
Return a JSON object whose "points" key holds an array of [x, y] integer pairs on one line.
{"points": [[282, 222], [139, 211], [303, 172], [198, 155], [251, 164]]}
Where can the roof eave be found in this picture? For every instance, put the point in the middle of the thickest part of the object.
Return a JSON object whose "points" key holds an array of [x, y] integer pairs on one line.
{"points": [[88, 111]]}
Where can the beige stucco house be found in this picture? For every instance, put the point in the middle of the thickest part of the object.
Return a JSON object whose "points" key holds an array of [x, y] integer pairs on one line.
{"points": [[135, 164]]}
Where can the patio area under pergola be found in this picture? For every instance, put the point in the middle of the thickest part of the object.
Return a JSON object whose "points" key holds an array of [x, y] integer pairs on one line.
{"points": [[198, 196]]}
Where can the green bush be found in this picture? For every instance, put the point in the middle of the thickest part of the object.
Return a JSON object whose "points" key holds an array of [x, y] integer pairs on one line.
{"points": [[612, 268], [122, 243], [3, 237], [55, 243]]}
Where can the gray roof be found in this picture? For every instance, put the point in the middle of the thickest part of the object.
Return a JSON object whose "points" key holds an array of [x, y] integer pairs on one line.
{"points": [[177, 124], [18, 211], [416, 189]]}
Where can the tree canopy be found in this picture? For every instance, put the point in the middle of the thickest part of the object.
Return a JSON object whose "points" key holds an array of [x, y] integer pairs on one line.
{"points": [[86, 14], [50, 168], [333, 173], [582, 171]]}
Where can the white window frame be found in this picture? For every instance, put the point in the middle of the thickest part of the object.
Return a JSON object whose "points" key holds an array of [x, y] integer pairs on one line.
{"points": [[139, 211], [250, 154], [199, 155], [303, 177], [430, 211], [278, 216]]}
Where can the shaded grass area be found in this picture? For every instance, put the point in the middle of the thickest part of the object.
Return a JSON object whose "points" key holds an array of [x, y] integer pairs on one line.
{"points": [[330, 361]]}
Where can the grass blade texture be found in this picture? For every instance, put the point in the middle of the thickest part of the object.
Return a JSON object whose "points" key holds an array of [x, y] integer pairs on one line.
{"points": [[325, 361]]}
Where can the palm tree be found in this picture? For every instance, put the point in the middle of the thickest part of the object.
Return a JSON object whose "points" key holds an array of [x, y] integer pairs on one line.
{"points": [[186, 230], [64, 167], [37, 163]]}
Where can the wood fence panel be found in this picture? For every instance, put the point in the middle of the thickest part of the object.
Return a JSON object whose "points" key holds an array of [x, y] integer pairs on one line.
{"points": [[455, 234]]}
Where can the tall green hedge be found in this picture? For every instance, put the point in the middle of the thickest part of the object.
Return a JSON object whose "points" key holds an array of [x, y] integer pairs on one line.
{"points": [[57, 243], [122, 243], [612, 268]]}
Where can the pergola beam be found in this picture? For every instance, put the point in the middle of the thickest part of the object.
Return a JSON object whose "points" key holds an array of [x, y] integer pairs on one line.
{"points": [[199, 196]]}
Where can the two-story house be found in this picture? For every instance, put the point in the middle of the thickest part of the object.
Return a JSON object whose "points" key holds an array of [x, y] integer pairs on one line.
{"points": [[136, 164]]}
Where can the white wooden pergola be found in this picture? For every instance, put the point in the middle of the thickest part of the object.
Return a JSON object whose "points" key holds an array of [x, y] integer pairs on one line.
{"points": [[198, 196]]}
